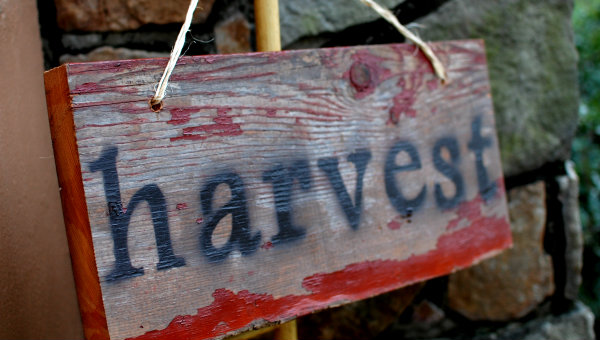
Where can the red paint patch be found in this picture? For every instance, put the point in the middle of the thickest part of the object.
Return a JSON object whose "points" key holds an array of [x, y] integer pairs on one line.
{"points": [[454, 250], [199, 220], [209, 59], [223, 126], [394, 225], [181, 116], [267, 245], [181, 206], [328, 58], [470, 211], [404, 101], [87, 88]]}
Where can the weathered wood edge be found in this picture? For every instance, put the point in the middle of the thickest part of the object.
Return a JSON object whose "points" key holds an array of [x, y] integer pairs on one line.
{"points": [[62, 127]]}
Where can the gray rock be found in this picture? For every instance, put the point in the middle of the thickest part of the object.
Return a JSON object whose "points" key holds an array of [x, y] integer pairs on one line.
{"points": [[513, 283], [569, 194], [110, 53], [363, 319], [312, 17], [81, 41], [232, 35], [576, 324], [533, 72]]}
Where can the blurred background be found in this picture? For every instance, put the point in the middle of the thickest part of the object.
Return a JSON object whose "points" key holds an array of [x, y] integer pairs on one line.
{"points": [[544, 67]]}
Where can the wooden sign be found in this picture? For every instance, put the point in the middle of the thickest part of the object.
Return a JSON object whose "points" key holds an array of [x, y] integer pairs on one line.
{"points": [[271, 185]]}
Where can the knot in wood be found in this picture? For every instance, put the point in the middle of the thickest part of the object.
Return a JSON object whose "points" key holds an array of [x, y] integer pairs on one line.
{"points": [[360, 76]]}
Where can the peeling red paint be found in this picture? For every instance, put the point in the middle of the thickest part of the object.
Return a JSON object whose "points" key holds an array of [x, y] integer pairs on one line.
{"points": [[87, 88], [181, 206], [327, 58], [116, 66], [223, 126], [454, 250], [313, 111], [202, 77], [470, 211], [394, 224], [404, 101], [136, 121], [181, 116], [267, 245], [209, 59]]}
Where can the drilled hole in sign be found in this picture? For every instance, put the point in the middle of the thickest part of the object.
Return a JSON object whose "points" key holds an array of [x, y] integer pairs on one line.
{"points": [[156, 106]]}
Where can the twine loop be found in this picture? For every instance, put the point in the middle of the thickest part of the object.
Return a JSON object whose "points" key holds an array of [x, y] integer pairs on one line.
{"points": [[156, 101], [438, 67]]}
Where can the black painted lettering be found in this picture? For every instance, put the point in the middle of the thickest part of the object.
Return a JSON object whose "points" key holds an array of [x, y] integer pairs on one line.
{"points": [[450, 170], [240, 237], [119, 219], [360, 159], [478, 143], [404, 206], [282, 179]]}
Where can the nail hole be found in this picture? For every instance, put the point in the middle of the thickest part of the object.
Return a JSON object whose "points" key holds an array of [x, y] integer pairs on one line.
{"points": [[156, 106]]}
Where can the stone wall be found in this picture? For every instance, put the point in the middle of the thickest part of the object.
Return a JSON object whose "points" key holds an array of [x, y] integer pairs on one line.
{"points": [[529, 291]]}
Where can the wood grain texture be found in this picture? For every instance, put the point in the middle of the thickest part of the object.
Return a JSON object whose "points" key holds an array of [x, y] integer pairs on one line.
{"points": [[275, 184]]}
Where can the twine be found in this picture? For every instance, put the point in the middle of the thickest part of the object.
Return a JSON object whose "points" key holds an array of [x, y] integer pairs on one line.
{"points": [[438, 67], [156, 101]]}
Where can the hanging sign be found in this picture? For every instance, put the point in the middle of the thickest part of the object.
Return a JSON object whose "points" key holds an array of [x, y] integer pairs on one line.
{"points": [[271, 185]]}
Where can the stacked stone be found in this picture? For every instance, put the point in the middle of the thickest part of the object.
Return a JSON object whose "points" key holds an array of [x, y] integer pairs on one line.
{"points": [[529, 291]]}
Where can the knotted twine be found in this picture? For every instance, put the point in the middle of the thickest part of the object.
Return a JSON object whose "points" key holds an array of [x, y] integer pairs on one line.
{"points": [[156, 101]]}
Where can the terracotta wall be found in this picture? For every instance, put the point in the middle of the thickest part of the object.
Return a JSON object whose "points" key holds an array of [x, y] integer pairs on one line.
{"points": [[37, 293]]}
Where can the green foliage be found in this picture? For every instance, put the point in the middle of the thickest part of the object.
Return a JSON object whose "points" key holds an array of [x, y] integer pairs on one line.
{"points": [[586, 147]]}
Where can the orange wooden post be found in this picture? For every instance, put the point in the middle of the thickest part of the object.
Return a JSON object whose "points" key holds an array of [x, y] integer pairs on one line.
{"points": [[268, 38], [287, 331], [266, 13]]}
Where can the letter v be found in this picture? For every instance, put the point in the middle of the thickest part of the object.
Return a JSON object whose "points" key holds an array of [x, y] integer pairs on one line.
{"points": [[360, 159]]}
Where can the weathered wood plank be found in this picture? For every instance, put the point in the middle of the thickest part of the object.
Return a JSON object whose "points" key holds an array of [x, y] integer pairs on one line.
{"points": [[272, 184]]}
